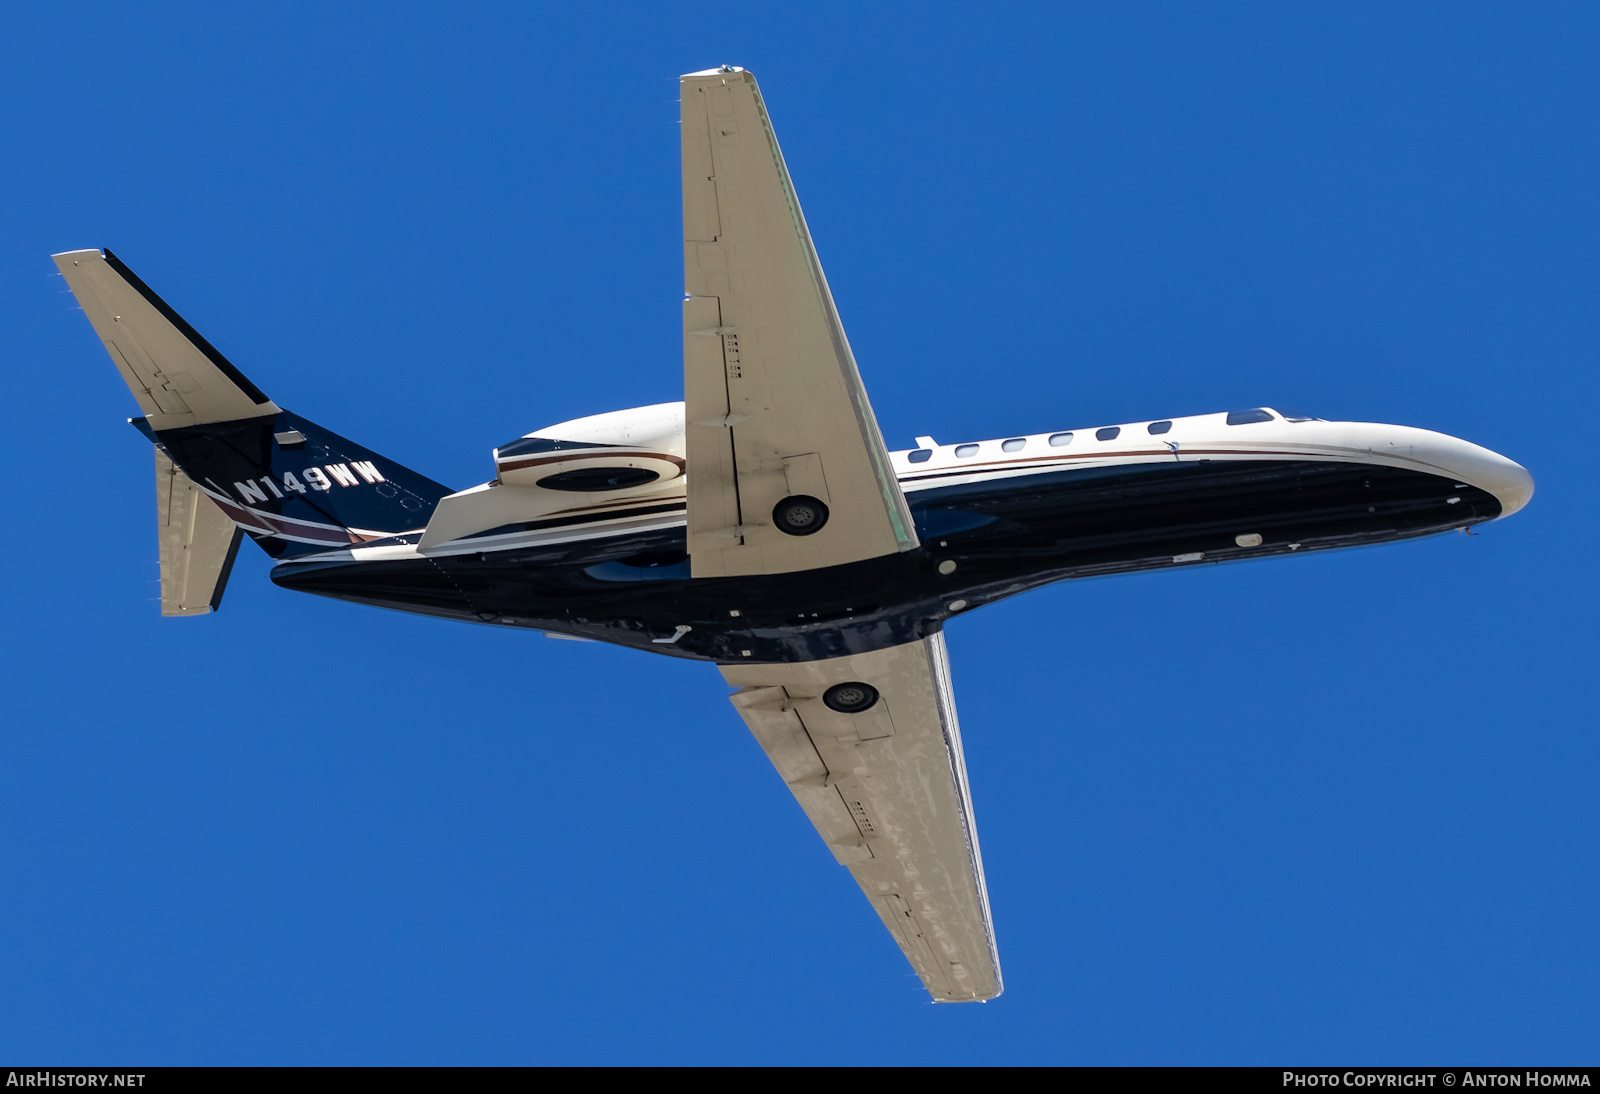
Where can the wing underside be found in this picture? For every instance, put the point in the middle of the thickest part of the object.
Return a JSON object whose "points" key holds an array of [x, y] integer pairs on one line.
{"points": [[887, 791], [775, 405]]}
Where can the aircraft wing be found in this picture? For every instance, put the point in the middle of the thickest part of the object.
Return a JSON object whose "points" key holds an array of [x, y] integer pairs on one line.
{"points": [[775, 406], [887, 790]]}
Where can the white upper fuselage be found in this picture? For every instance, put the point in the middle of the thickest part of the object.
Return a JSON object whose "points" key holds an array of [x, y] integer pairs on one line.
{"points": [[1199, 437], [1209, 437]]}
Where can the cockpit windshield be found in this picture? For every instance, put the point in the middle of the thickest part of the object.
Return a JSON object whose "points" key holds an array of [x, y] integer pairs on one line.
{"points": [[1298, 416], [1249, 417]]}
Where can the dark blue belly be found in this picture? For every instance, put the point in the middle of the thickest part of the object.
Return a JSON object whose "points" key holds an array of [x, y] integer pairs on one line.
{"points": [[1004, 537]]}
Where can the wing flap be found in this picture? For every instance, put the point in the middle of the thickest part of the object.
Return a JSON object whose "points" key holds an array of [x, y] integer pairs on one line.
{"points": [[769, 378], [887, 791]]}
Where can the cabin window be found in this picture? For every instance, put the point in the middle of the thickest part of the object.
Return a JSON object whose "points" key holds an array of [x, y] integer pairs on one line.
{"points": [[1015, 444], [965, 450], [1246, 417], [1059, 439], [1159, 427], [1109, 433], [921, 455]]}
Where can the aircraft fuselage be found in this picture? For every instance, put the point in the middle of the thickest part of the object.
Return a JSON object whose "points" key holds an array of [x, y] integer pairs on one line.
{"points": [[994, 518]]}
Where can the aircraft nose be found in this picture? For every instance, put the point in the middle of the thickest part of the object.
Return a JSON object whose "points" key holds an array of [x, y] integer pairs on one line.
{"points": [[1506, 479], [1513, 486], [1462, 460]]}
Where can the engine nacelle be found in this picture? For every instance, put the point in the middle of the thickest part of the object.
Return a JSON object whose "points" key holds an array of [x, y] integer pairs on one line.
{"points": [[641, 450], [567, 468]]}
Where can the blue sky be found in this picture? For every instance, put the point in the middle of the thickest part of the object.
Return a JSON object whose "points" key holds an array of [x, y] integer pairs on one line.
{"points": [[1316, 810]]}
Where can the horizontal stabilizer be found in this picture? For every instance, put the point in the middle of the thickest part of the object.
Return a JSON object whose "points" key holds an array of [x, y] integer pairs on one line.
{"points": [[198, 543], [178, 378]]}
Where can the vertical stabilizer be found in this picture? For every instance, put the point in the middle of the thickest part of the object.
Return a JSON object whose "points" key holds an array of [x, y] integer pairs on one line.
{"points": [[227, 455]]}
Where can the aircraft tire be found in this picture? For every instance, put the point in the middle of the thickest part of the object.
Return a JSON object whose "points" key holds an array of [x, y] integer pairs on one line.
{"points": [[800, 515], [851, 697]]}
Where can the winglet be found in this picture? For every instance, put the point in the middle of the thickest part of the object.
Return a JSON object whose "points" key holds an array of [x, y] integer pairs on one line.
{"points": [[721, 70]]}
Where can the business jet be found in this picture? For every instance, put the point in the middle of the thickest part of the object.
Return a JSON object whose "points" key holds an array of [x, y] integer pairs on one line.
{"points": [[762, 524]]}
